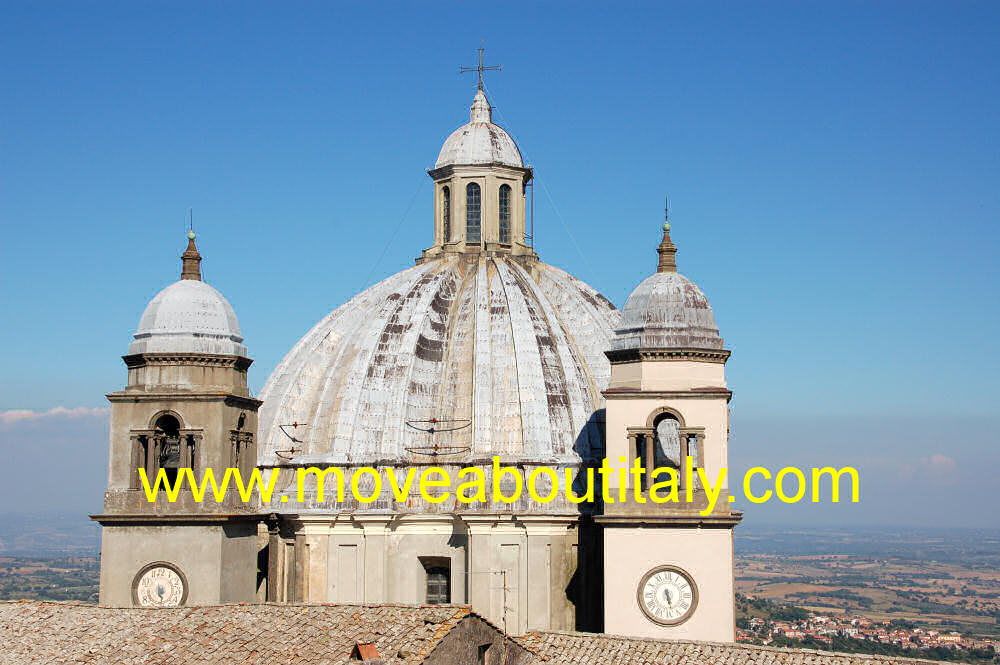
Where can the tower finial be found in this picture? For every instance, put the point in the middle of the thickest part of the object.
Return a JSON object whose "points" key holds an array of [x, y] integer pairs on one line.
{"points": [[480, 68], [191, 259], [667, 250]]}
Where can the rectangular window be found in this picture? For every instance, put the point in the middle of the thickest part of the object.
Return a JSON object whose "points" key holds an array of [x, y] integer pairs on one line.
{"points": [[505, 214], [446, 213], [473, 213]]}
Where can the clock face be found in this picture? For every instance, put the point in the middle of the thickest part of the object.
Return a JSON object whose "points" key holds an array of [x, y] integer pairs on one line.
{"points": [[667, 595], [159, 585]]}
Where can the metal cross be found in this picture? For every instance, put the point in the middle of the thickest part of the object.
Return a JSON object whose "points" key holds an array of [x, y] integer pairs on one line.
{"points": [[480, 68]]}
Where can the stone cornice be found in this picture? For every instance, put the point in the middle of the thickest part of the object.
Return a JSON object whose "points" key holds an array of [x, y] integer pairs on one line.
{"points": [[694, 393], [239, 400], [189, 359], [446, 171], [150, 519], [694, 522], [666, 355]]}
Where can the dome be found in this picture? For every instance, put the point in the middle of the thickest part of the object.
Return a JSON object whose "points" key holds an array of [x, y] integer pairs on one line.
{"points": [[667, 311], [189, 316], [500, 357], [480, 141]]}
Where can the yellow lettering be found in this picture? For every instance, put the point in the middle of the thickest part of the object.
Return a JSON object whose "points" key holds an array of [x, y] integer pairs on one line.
{"points": [[426, 482]]}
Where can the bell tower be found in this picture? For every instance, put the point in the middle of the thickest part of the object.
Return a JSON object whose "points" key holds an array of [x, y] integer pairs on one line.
{"points": [[186, 405], [668, 526]]}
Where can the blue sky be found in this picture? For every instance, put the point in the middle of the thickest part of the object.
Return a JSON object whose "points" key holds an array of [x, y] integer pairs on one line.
{"points": [[832, 168]]}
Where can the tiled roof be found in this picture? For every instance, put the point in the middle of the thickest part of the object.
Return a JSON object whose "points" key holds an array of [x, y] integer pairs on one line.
{"points": [[556, 648], [33, 632], [48, 632]]}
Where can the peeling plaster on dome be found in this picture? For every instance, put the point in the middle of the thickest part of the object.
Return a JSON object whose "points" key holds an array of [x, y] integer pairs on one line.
{"points": [[518, 352], [667, 310]]}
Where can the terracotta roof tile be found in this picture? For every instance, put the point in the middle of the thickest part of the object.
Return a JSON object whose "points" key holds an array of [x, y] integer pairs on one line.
{"points": [[558, 648], [48, 632]]}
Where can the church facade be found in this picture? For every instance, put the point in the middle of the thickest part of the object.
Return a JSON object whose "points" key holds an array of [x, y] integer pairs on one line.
{"points": [[478, 352]]}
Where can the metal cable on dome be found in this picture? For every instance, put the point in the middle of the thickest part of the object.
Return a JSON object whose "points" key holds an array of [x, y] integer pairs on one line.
{"points": [[544, 187], [399, 225]]}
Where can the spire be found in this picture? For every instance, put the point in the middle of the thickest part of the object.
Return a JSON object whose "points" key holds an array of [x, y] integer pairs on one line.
{"points": [[667, 250], [191, 260], [481, 109]]}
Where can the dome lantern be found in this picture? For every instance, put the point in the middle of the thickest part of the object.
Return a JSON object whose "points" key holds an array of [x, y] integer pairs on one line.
{"points": [[480, 188]]}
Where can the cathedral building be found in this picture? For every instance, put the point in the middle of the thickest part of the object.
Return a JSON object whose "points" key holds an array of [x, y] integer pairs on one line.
{"points": [[480, 351]]}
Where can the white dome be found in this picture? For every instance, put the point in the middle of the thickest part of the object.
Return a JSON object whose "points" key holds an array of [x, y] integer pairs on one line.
{"points": [[667, 311], [480, 141], [510, 355], [189, 316]]}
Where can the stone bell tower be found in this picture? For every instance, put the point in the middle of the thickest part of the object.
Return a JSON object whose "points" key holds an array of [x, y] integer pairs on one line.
{"points": [[186, 405], [668, 550]]}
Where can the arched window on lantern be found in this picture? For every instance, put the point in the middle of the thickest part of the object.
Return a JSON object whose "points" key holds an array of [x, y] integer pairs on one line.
{"points": [[473, 213], [446, 212], [505, 214]]}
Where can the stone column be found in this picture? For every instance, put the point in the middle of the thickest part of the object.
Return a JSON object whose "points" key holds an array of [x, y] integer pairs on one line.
{"points": [[136, 461]]}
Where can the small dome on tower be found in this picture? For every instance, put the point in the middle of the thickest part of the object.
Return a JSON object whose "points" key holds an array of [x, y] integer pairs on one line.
{"points": [[480, 141], [667, 310], [189, 316]]}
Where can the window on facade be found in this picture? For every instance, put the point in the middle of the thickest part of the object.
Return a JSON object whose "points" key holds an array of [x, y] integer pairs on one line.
{"points": [[505, 214], [484, 653], [473, 213], [446, 213], [438, 586]]}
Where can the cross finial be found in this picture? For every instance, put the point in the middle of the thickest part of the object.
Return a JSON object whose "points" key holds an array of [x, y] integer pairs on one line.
{"points": [[480, 69]]}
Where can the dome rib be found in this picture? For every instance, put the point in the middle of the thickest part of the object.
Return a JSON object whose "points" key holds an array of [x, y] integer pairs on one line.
{"points": [[423, 378], [559, 390], [578, 389], [533, 383], [505, 389], [456, 396]]}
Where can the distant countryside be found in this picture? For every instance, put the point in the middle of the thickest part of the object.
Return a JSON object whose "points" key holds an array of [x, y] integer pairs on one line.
{"points": [[918, 593]]}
